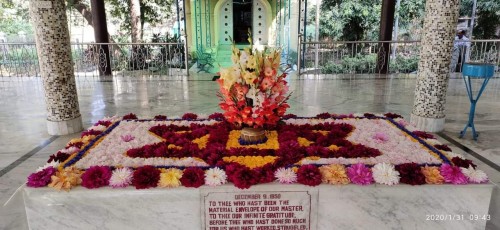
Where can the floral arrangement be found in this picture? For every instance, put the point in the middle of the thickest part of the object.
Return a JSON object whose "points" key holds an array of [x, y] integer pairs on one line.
{"points": [[193, 151], [252, 92]]}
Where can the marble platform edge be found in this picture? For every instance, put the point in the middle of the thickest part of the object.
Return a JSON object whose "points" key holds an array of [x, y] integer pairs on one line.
{"points": [[259, 187], [380, 207]]}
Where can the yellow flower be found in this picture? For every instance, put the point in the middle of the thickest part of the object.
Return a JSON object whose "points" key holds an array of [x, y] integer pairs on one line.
{"points": [[334, 174], [75, 140], [202, 141], [333, 147], [321, 131], [87, 139], [172, 146], [235, 56], [304, 142], [66, 179], [249, 77], [250, 161], [170, 178], [229, 77], [432, 175], [251, 62]]}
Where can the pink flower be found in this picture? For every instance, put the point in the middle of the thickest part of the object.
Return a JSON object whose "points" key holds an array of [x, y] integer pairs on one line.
{"points": [[382, 137], [309, 175], [266, 83], [278, 88], [42, 178], [360, 174], [241, 91], [127, 138], [130, 116], [452, 174], [96, 176], [269, 72], [189, 116]]}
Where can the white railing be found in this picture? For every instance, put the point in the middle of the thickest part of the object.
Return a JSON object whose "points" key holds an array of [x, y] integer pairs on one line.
{"points": [[360, 57], [21, 59]]}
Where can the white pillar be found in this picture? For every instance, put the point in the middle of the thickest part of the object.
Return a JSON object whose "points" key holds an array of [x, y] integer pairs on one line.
{"points": [[433, 68], [56, 67]]}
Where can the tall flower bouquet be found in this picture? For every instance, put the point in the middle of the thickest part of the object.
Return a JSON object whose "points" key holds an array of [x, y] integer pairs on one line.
{"points": [[252, 92]]}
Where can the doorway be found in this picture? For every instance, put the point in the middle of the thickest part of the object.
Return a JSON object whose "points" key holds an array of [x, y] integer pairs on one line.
{"points": [[242, 20]]}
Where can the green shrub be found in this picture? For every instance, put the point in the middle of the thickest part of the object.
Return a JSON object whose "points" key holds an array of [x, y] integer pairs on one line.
{"points": [[361, 63], [404, 64]]}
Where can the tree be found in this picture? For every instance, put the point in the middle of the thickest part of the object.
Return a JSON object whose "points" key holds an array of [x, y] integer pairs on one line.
{"points": [[135, 21], [151, 11], [487, 17], [14, 16], [350, 20]]}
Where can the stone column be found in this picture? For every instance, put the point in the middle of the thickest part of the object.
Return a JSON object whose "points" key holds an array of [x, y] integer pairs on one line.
{"points": [[56, 67], [433, 68]]}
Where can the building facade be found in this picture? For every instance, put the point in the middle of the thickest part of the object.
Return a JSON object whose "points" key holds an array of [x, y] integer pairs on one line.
{"points": [[212, 25]]}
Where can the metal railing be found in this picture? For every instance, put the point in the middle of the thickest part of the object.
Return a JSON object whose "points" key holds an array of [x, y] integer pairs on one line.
{"points": [[170, 59], [360, 57], [21, 59]]}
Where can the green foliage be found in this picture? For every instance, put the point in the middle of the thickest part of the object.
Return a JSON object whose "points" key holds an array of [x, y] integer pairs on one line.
{"points": [[14, 26], [487, 17], [367, 63], [410, 10], [14, 17], [361, 63], [404, 64], [152, 11], [353, 20]]}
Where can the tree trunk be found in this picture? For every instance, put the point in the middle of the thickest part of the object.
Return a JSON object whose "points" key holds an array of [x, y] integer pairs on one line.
{"points": [[84, 10], [135, 20]]}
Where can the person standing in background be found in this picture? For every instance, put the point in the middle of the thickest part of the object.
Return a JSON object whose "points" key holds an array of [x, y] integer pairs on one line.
{"points": [[460, 46]]}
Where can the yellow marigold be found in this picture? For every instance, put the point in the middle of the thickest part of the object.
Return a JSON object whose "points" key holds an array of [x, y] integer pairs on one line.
{"points": [[202, 141], [432, 175], [271, 143], [321, 131], [75, 140], [304, 142], [170, 178], [250, 161], [172, 146], [334, 174], [87, 139], [333, 147], [67, 178], [295, 169]]}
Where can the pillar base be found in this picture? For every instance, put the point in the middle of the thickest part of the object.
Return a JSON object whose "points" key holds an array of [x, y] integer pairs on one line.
{"points": [[427, 124], [65, 127]]}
